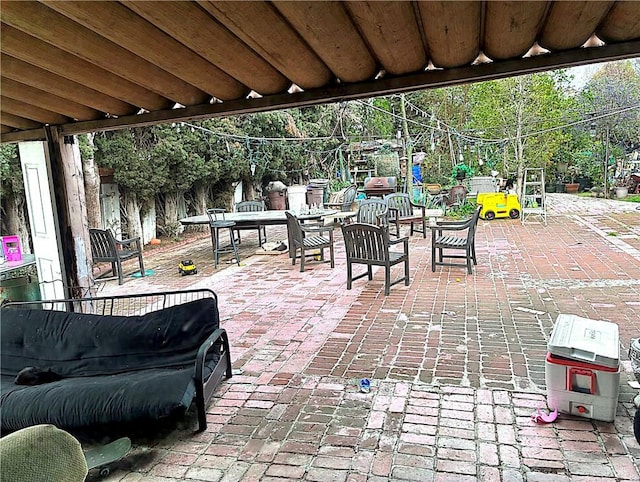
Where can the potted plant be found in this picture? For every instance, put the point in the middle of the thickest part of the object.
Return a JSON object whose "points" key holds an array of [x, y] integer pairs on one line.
{"points": [[572, 186], [620, 188], [461, 171]]}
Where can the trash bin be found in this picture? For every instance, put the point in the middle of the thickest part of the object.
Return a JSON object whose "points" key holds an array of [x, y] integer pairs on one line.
{"points": [[297, 196], [276, 192], [316, 192], [277, 200]]}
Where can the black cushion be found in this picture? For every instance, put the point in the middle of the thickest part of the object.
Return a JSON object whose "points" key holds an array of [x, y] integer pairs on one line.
{"points": [[77, 344], [88, 401]]}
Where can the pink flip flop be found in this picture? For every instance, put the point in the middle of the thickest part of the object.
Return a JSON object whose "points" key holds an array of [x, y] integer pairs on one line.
{"points": [[542, 417]]}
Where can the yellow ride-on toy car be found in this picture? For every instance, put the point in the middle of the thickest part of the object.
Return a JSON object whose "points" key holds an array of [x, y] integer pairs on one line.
{"points": [[499, 205], [187, 266]]}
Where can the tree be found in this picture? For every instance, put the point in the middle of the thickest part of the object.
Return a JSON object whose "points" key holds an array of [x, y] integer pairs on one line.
{"points": [[127, 151], [15, 219], [611, 98], [91, 180], [526, 112]]}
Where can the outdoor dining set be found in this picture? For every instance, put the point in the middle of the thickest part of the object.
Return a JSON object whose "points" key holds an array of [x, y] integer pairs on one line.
{"points": [[371, 233]]}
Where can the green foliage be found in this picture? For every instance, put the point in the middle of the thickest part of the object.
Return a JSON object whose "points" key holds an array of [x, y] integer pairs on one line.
{"points": [[465, 210], [461, 171], [128, 153], [522, 110], [10, 172], [87, 150]]}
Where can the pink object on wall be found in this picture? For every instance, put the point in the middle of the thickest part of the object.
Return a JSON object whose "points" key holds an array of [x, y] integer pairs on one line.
{"points": [[11, 248]]}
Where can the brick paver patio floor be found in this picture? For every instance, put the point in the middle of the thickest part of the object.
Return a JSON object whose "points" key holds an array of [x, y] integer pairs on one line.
{"points": [[456, 361]]}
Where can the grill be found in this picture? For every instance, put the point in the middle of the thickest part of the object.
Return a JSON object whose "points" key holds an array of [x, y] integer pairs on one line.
{"points": [[379, 186]]}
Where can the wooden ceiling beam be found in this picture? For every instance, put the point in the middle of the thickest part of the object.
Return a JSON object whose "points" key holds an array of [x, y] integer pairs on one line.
{"points": [[570, 24], [49, 26], [33, 51], [38, 78], [391, 30], [621, 23], [452, 30], [386, 86], [261, 27], [511, 28], [17, 122], [328, 29], [128, 30], [31, 112], [45, 100], [223, 51]]}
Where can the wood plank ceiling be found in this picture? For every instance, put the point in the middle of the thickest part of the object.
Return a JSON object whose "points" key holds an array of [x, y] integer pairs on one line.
{"points": [[85, 65]]}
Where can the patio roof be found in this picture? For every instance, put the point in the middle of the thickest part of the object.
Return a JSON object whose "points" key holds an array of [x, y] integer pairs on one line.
{"points": [[86, 66]]}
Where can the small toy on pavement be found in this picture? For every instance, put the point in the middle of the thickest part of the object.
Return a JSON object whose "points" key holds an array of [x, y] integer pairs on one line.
{"points": [[187, 266], [499, 205]]}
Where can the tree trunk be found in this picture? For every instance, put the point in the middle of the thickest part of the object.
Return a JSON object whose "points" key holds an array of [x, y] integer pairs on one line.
{"points": [[170, 208], [132, 209], [149, 227], [16, 220], [200, 204], [172, 226], [92, 189]]}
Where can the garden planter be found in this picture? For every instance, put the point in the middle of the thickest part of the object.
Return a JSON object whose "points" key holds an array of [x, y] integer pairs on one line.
{"points": [[621, 192], [571, 188]]}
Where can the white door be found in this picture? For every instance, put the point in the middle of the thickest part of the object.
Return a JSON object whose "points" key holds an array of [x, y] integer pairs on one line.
{"points": [[40, 205]]}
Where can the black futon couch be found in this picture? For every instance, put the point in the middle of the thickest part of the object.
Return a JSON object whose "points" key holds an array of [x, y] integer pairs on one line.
{"points": [[114, 366]]}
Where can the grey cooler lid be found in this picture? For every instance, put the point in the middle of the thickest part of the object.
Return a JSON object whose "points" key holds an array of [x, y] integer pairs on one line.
{"points": [[585, 340]]}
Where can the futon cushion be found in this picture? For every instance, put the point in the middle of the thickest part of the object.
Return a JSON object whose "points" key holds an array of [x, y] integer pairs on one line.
{"points": [[78, 344], [87, 401]]}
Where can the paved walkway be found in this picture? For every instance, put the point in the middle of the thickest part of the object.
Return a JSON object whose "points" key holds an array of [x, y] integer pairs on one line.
{"points": [[456, 360]]}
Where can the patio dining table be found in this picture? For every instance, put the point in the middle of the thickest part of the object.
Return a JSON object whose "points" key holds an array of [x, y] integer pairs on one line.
{"points": [[261, 218]]}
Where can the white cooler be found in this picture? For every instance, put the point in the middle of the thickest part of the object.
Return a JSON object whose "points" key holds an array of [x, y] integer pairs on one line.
{"points": [[582, 370]]}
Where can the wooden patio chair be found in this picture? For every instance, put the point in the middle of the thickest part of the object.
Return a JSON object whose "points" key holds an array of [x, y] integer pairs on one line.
{"points": [[308, 237], [373, 211], [345, 201], [370, 245], [246, 207], [444, 237], [402, 210], [105, 248]]}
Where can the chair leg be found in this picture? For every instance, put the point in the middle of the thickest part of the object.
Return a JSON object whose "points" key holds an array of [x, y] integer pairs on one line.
{"points": [[370, 272], [233, 245], [424, 228], [349, 275], [120, 280], [302, 256], [214, 245], [433, 256], [387, 279], [141, 262], [259, 237], [469, 260], [406, 271], [331, 255]]}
